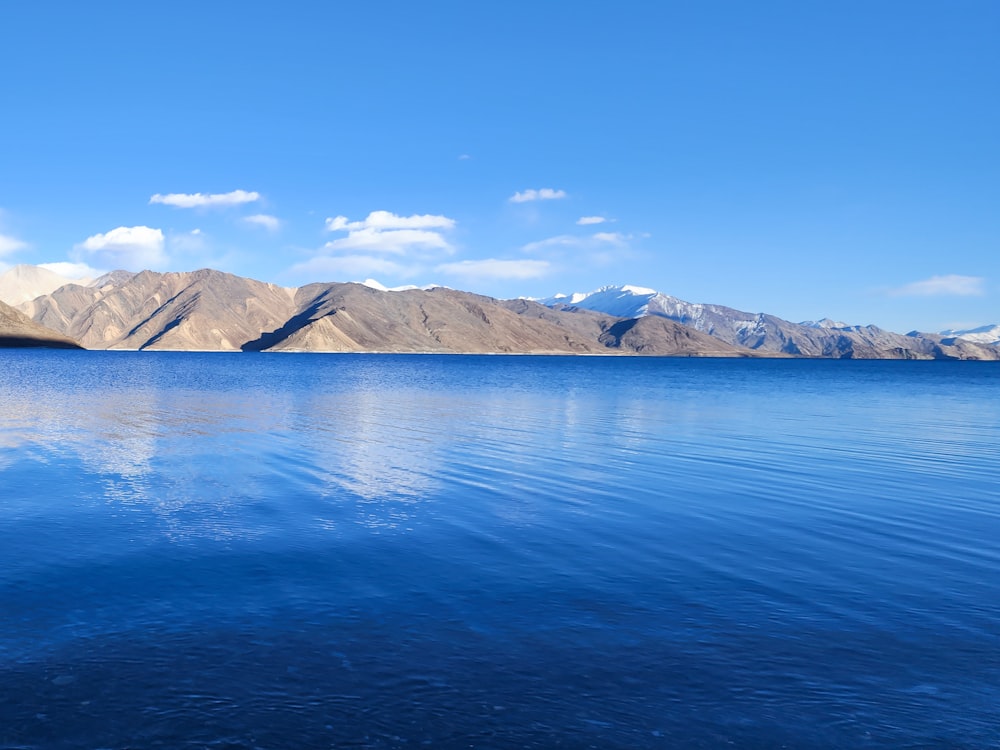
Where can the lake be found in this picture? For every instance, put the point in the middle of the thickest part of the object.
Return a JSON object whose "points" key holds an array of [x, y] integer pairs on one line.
{"points": [[391, 551]]}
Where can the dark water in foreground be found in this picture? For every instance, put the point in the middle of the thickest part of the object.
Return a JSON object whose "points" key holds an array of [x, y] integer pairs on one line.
{"points": [[310, 551]]}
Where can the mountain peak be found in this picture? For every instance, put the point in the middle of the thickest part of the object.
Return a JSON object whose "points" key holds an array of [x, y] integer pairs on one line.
{"points": [[987, 334], [638, 290], [824, 323], [766, 333], [23, 283]]}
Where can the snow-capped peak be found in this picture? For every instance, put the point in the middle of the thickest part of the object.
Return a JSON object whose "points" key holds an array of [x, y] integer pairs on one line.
{"points": [[373, 284], [638, 290], [824, 323], [987, 334], [622, 301]]}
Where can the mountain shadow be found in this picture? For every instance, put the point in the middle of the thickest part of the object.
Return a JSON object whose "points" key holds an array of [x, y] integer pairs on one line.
{"points": [[271, 338]]}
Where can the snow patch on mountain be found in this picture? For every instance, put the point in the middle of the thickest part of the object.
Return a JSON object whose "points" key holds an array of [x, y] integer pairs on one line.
{"points": [[373, 284], [638, 290], [621, 301], [988, 334], [824, 323]]}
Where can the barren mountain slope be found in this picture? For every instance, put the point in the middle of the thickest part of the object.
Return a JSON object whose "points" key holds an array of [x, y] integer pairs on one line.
{"points": [[211, 310], [17, 329], [353, 317], [198, 310], [769, 334], [649, 335]]}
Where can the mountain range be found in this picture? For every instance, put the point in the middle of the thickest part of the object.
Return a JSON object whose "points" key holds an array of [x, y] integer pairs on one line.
{"points": [[216, 311], [761, 332]]}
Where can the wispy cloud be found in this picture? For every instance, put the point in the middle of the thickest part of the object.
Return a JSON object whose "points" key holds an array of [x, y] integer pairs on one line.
{"points": [[74, 271], [615, 239], [938, 286], [492, 268], [131, 248], [270, 223], [194, 242], [10, 244], [206, 200], [395, 242], [341, 267], [386, 220], [584, 221], [543, 194], [386, 232], [561, 240]]}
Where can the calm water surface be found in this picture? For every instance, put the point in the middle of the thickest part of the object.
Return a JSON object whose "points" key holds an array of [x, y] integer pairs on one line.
{"points": [[312, 551]]}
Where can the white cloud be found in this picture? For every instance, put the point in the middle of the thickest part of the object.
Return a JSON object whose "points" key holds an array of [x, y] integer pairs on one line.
{"points": [[396, 242], [203, 200], [385, 232], [464, 157], [544, 194], [571, 240], [194, 242], [131, 248], [561, 240], [270, 223], [75, 271], [386, 220], [491, 268], [611, 238], [10, 244], [950, 285], [341, 267], [587, 220]]}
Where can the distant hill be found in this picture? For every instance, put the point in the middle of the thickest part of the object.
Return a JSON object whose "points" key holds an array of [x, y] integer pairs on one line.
{"points": [[211, 310], [215, 311], [18, 330], [23, 283], [762, 333]]}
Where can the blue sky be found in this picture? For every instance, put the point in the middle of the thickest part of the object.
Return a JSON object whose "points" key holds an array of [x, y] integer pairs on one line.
{"points": [[807, 159]]}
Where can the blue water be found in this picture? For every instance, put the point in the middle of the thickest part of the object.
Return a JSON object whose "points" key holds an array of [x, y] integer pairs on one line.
{"points": [[367, 551]]}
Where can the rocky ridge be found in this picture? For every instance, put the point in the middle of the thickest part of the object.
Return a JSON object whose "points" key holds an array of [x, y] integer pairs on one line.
{"points": [[18, 330], [765, 333], [216, 311]]}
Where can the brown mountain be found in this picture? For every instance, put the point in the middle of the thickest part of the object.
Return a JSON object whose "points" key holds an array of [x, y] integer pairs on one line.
{"points": [[769, 335], [17, 329], [211, 310], [637, 335], [215, 311], [198, 310], [352, 317]]}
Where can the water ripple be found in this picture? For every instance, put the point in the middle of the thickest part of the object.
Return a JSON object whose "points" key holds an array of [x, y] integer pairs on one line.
{"points": [[261, 551]]}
